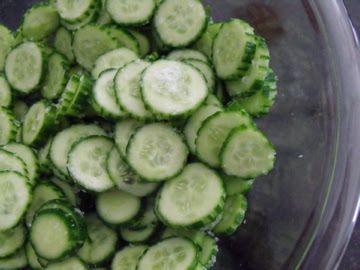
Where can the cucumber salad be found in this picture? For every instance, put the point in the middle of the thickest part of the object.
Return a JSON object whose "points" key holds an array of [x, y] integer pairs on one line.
{"points": [[127, 134]]}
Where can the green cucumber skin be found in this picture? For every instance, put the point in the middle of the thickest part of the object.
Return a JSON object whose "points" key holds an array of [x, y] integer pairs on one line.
{"points": [[15, 126]]}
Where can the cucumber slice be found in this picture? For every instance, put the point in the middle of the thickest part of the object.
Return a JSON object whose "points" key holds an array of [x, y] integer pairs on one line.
{"points": [[44, 159], [235, 185], [65, 139], [124, 38], [75, 11], [179, 253], [69, 191], [11, 162], [131, 13], [247, 153], [42, 193], [209, 250], [128, 258], [5, 93], [137, 236], [40, 118], [104, 17], [128, 89], [87, 163], [167, 88], [20, 109], [91, 18], [101, 244], [123, 132], [214, 132], [187, 54], [90, 42], [15, 196], [16, 261], [32, 258], [212, 100], [195, 122], [180, 23], [12, 240], [57, 76], [103, 98], [206, 70], [184, 203], [206, 41], [196, 236], [124, 178], [156, 152], [25, 67], [233, 50], [116, 59], [63, 43], [117, 207], [143, 41], [40, 21], [73, 263], [7, 42], [27, 155], [234, 214], [147, 219], [8, 126]]}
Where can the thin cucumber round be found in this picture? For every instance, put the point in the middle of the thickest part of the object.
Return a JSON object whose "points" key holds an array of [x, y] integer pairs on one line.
{"points": [[234, 214], [123, 132], [43, 158], [40, 118], [9, 126], [5, 93], [213, 100], [63, 43], [39, 22], [130, 13], [20, 108], [87, 163], [67, 264], [75, 11], [32, 258], [25, 67], [233, 50], [148, 218], [137, 236], [124, 38], [7, 42], [91, 17], [187, 54], [235, 185], [180, 23], [206, 70], [12, 240], [69, 191], [214, 132], [143, 41], [115, 59], [209, 250], [184, 203], [167, 88], [124, 178], [206, 41], [128, 258], [247, 153], [178, 252], [117, 207], [11, 162], [103, 98], [104, 17], [16, 261], [156, 152], [15, 196], [128, 89]]}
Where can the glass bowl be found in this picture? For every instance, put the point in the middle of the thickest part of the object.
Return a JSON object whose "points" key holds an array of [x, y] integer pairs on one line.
{"points": [[301, 216]]}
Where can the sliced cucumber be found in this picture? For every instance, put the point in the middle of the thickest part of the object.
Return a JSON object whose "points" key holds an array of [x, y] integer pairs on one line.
{"points": [[73, 263], [57, 76], [134, 12], [75, 11], [63, 43], [103, 98], [234, 214], [27, 155], [40, 118], [42, 193], [156, 152], [206, 70], [194, 124], [137, 236], [65, 139], [214, 132], [11, 162], [16, 261], [15, 196], [212, 100], [128, 89], [116, 59], [128, 258], [142, 40], [90, 42], [148, 218], [104, 17], [184, 203], [40, 21], [25, 67], [101, 244], [247, 153], [209, 250], [206, 41], [20, 109], [124, 178], [5, 93], [8, 126], [124, 38], [180, 23], [91, 18], [44, 159], [70, 192], [233, 50], [32, 258], [7, 42], [117, 207], [178, 253], [12, 240], [123, 132], [236, 185], [87, 163], [187, 54], [167, 88]]}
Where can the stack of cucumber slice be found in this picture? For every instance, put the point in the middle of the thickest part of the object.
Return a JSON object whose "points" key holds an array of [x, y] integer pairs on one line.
{"points": [[128, 122]]}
